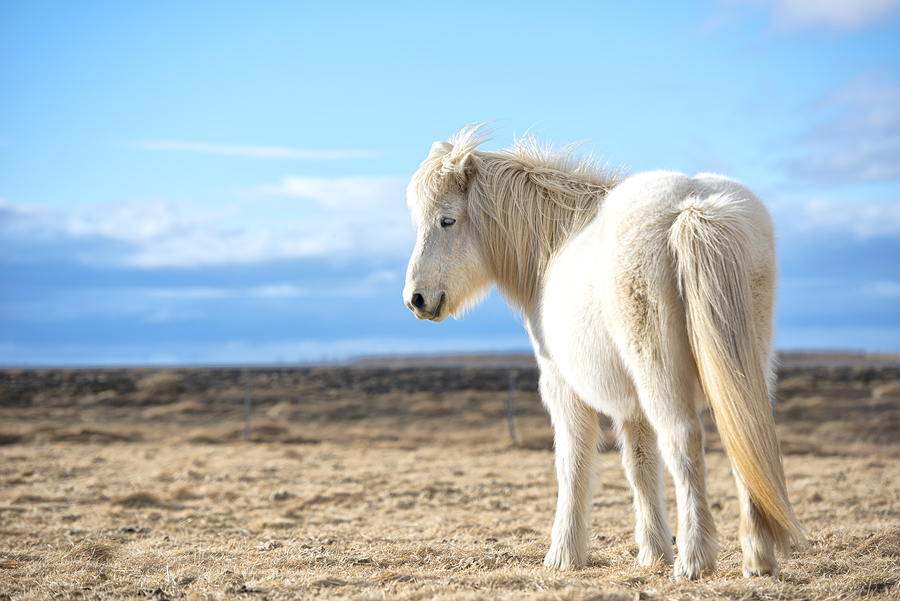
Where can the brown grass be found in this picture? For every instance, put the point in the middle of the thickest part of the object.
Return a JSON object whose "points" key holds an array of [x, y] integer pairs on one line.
{"points": [[355, 521], [421, 497]]}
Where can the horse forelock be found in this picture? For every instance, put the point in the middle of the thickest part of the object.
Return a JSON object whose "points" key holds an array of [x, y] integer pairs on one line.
{"points": [[440, 171]]}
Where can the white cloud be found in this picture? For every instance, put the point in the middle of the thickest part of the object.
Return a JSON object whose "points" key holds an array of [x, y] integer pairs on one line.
{"points": [[857, 138], [366, 286], [837, 15], [342, 218], [140, 222], [342, 193], [853, 220], [883, 290], [259, 152]]}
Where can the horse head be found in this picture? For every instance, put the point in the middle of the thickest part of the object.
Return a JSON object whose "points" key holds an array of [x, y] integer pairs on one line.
{"points": [[447, 269]]}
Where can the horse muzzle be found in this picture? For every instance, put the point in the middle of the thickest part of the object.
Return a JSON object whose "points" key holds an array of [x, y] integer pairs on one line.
{"points": [[427, 304]]}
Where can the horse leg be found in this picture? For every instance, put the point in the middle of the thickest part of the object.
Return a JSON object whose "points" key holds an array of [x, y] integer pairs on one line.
{"points": [[757, 544], [576, 434], [647, 321], [680, 434], [668, 390], [644, 471]]}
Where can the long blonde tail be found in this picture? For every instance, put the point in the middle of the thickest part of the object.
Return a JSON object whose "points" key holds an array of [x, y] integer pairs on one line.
{"points": [[711, 240]]}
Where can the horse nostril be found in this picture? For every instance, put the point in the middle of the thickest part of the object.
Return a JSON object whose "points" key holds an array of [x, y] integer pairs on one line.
{"points": [[418, 301]]}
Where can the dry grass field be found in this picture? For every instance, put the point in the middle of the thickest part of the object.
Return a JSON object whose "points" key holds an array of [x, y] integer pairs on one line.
{"points": [[395, 484]]}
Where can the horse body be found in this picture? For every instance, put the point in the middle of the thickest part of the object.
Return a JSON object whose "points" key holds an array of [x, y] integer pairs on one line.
{"points": [[600, 287], [642, 298], [589, 320]]}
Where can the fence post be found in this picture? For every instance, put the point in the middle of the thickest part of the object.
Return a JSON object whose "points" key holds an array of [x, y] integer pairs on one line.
{"points": [[247, 404], [510, 404]]}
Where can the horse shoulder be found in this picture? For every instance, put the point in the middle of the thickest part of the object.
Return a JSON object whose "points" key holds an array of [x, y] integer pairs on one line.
{"points": [[571, 299], [575, 330]]}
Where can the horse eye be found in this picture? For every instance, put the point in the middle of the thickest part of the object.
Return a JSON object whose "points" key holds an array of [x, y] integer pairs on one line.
{"points": [[447, 221]]}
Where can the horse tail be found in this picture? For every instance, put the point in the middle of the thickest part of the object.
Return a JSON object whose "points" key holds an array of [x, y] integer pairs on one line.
{"points": [[713, 240]]}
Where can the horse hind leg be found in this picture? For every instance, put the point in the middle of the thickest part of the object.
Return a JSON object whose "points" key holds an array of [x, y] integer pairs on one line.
{"points": [[647, 318], [681, 441], [757, 543], [652, 336], [643, 468]]}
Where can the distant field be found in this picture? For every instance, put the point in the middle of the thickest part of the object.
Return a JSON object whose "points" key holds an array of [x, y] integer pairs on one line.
{"points": [[391, 481]]}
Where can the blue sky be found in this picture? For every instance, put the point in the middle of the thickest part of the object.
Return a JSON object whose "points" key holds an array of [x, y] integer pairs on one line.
{"points": [[223, 182]]}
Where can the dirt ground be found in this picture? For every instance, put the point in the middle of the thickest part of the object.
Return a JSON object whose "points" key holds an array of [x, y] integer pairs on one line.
{"points": [[396, 483]]}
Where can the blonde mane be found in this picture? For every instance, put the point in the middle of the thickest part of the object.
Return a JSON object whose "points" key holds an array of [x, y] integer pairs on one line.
{"points": [[525, 201]]}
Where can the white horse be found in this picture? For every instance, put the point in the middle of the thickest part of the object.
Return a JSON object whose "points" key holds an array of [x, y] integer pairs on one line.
{"points": [[641, 296]]}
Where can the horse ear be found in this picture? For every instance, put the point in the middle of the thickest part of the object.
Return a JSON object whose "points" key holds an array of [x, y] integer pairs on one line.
{"points": [[466, 170], [440, 148]]}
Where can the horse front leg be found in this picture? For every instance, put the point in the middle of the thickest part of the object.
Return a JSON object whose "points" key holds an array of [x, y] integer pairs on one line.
{"points": [[576, 434]]}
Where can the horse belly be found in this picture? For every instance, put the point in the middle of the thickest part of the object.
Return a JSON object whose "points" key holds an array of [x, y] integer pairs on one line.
{"points": [[576, 335]]}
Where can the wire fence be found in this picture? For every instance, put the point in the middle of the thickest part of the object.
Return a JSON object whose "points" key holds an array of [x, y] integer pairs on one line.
{"points": [[288, 403], [182, 397], [509, 403]]}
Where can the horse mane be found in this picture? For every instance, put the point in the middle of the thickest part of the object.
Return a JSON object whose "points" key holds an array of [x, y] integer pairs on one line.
{"points": [[525, 201]]}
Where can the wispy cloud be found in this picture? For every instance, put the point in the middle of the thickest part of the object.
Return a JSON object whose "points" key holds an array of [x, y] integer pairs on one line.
{"points": [[836, 221], [836, 15], [258, 152], [359, 287], [177, 303], [857, 138], [342, 193], [883, 289]]}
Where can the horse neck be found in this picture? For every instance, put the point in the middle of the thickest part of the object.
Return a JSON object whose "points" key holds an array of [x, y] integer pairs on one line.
{"points": [[527, 216]]}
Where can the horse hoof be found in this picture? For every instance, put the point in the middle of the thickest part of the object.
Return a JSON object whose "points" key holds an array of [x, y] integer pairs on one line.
{"points": [[691, 572], [561, 560], [755, 572], [649, 558]]}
